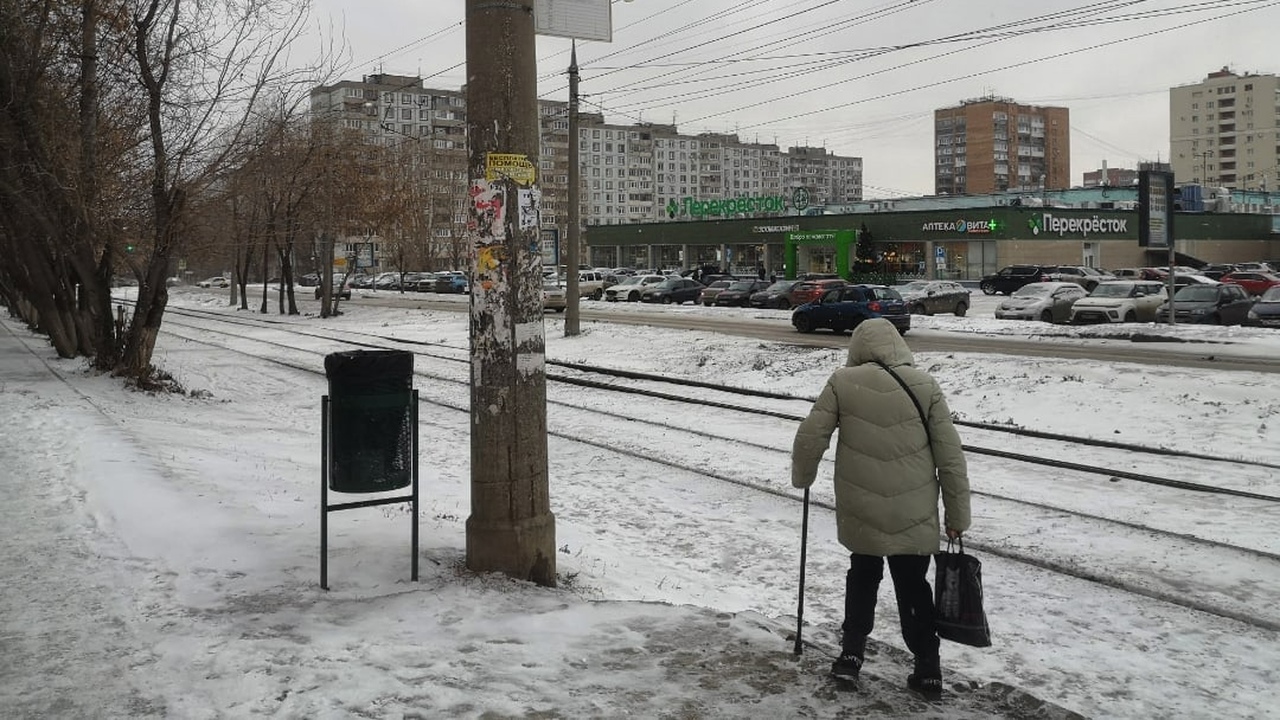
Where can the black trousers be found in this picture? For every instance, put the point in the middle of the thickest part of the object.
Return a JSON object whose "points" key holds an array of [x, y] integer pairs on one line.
{"points": [[915, 603]]}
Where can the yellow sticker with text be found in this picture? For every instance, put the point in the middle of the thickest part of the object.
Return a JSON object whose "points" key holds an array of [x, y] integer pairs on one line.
{"points": [[510, 165]]}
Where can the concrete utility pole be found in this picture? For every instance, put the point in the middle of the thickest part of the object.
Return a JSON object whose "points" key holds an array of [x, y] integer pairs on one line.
{"points": [[511, 528], [571, 325]]}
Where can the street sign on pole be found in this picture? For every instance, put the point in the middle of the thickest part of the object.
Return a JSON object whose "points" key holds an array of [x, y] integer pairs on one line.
{"points": [[1155, 209], [1155, 221], [581, 19], [550, 242]]}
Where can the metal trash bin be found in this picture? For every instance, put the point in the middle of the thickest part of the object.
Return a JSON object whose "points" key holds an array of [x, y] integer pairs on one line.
{"points": [[370, 424]]}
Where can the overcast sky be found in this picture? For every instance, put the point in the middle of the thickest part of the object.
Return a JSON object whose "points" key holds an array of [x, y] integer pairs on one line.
{"points": [[834, 73]]}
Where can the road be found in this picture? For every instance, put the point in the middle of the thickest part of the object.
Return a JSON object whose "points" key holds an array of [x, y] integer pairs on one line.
{"points": [[1141, 348]]}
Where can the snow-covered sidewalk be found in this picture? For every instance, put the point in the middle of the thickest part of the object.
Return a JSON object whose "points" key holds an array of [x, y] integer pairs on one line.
{"points": [[123, 599]]}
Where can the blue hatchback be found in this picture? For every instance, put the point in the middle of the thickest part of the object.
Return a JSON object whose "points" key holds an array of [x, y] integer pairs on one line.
{"points": [[841, 309]]}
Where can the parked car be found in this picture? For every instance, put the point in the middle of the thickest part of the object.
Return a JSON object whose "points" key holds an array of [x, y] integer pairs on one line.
{"points": [[843, 307], [676, 290], [807, 291], [1257, 267], [1181, 280], [1047, 301], [1120, 301], [739, 292], [1218, 304], [926, 297], [591, 284], [1266, 311], [1082, 275], [630, 288], [214, 282], [1254, 283], [1140, 273], [554, 297], [1009, 279], [450, 282], [1215, 271], [774, 296], [715, 287], [426, 282], [341, 289]]}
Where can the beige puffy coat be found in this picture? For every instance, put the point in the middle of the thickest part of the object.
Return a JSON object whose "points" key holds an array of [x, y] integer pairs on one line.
{"points": [[886, 485]]}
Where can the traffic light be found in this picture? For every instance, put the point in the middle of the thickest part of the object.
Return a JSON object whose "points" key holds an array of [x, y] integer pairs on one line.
{"points": [[128, 247]]}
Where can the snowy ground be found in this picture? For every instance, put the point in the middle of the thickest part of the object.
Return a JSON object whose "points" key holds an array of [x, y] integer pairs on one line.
{"points": [[167, 563]]}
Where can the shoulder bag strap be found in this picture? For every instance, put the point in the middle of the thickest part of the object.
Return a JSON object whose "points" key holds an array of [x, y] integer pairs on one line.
{"points": [[914, 401]]}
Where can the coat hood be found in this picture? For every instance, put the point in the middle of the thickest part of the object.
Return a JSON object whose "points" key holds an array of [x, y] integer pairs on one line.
{"points": [[876, 339]]}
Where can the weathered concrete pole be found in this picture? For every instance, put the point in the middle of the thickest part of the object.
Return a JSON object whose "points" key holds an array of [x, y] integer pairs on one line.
{"points": [[511, 528], [572, 327]]}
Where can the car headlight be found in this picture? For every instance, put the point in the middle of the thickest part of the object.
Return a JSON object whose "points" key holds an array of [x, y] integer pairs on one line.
{"points": [[1252, 315]]}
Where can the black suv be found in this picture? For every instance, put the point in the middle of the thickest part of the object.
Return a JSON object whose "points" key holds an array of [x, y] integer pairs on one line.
{"points": [[1011, 278]]}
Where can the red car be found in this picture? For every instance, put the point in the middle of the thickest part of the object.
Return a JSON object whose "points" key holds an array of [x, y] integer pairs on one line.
{"points": [[810, 290], [1254, 283]]}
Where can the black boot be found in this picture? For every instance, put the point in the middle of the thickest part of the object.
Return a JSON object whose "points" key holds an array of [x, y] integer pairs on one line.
{"points": [[849, 664], [927, 678]]}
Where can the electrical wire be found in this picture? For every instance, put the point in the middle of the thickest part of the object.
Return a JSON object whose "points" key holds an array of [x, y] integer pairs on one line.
{"points": [[1010, 66]]}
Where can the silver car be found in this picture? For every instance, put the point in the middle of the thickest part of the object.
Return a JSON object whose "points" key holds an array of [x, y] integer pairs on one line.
{"points": [[1120, 301], [926, 297], [1047, 301]]}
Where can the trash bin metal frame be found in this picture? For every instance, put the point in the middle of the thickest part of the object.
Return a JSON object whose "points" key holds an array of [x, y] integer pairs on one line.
{"points": [[326, 508]]}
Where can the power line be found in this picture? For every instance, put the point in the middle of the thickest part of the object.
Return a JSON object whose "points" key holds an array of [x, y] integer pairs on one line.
{"points": [[1059, 17], [1010, 66], [822, 29]]}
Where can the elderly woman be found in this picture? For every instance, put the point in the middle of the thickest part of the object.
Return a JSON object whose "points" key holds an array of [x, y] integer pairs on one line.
{"points": [[896, 451]]}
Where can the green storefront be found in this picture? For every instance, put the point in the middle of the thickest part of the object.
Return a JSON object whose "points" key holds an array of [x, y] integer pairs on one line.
{"points": [[961, 244]]}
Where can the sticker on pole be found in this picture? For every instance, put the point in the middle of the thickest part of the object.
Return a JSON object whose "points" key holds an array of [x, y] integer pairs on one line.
{"points": [[509, 165]]}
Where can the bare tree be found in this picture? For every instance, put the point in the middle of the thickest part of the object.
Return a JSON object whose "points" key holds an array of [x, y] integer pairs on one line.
{"points": [[201, 68], [348, 199], [163, 91]]}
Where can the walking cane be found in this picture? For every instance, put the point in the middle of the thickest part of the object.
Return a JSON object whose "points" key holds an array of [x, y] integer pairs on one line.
{"points": [[804, 545]]}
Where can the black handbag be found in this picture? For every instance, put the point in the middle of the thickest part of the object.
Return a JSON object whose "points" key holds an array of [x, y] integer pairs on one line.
{"points": [[957, 592], [957, 582]]}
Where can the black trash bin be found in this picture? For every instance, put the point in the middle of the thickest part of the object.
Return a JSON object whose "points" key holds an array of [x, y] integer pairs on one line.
{"points": [[370, 429]]}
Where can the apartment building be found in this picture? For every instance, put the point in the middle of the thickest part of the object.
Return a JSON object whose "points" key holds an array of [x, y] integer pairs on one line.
{"points": [[426, 131], [1223, 131], [995, 144], [629, 173], [830, 179]]}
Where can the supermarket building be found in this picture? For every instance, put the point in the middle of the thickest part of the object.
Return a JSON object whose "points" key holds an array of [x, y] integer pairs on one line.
{"points": [[957, 243]]}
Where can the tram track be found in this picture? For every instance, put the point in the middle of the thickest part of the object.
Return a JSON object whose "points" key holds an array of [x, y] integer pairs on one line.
{"points": [[460, 356], [1172, 589]]}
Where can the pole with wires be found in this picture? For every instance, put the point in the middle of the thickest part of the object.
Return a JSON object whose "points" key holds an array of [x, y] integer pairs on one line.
{"points": [[804, 547]]}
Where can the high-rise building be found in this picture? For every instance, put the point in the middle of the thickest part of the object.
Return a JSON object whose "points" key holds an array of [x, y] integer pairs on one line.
{"points": [[994, 144], [830, 179], [427, 130], [628, 173], [1223, 131]]}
